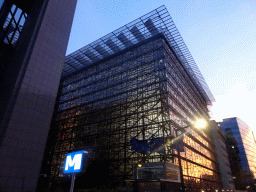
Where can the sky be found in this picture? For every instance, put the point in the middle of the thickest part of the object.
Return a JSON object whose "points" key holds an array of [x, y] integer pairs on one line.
{"points": [[220, 35]]}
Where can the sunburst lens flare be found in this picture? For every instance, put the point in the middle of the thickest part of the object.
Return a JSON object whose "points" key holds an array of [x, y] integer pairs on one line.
{"points": [[200, 123]]}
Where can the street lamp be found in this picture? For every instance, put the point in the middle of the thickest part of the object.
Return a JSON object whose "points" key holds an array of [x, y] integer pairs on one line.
{"points": [[199, 123], [139, 165]]}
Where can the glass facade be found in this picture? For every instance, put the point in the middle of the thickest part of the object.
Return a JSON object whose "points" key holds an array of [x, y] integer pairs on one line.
{"points": [[241, 146], [126, 109]]}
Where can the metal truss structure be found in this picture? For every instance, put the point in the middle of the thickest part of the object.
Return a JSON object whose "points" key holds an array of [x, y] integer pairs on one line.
{"points": [[157, 21], [123, 88]]}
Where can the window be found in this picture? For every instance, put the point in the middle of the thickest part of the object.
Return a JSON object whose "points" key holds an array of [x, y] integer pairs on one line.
{"points": [[13, 24]]}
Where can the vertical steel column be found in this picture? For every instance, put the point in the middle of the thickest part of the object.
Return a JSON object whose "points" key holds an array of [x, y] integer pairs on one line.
{"points": [[179, 159]]}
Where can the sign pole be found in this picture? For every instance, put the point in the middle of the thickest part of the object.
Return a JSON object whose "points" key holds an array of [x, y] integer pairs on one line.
{"points": [[73, 164], [72, 182]]}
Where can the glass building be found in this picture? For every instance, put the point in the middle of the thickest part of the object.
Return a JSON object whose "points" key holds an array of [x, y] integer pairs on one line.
{"points": [[123, 98], [241, 147]]}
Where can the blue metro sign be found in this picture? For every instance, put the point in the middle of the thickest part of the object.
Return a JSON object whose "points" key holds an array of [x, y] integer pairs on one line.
{"points": [[73, 162]]}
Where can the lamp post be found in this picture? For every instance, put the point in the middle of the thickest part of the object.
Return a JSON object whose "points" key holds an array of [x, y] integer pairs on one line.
{"points": [[200, 123], [139, 165]]}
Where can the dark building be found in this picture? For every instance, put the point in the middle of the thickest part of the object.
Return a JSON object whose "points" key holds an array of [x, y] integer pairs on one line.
{"points": [[33, 41], [122, 98], [241, 147], [222, 157]]}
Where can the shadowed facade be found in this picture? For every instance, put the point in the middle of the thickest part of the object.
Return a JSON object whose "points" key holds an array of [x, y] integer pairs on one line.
{"points": [[33, 38]]}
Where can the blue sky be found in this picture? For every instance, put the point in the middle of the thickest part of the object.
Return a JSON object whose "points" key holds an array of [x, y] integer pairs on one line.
{"points": [[220, 34]]}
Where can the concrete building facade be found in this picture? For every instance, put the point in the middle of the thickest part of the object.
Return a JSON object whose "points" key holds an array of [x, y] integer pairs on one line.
{"points": [[222, 157], [34, 37]]}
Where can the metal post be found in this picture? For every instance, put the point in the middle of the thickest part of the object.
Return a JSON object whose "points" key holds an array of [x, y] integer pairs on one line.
{"points": [[179, 159], [72, 183]]}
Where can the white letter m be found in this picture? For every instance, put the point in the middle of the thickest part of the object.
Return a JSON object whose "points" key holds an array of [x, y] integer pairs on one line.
{"points": [[76, 162]]}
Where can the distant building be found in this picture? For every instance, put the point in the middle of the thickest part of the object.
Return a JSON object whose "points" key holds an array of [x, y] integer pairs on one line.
{"points": [[241, 146], [33, 41], [122, 97], [222, 157]]}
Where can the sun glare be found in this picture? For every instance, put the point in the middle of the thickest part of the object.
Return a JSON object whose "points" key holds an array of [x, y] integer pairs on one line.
{"points": [[200, 123]]}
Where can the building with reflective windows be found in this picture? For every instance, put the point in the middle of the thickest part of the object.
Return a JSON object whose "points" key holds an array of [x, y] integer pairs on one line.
{"points": [[122, 98], [241, 147], [33, 40]]}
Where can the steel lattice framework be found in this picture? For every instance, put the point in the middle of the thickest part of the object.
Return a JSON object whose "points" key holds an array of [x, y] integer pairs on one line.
{"points": [[157, 21], [136, 83]]}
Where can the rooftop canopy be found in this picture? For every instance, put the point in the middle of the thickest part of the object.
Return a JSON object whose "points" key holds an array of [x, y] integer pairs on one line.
{"points": [[154, 22]]}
